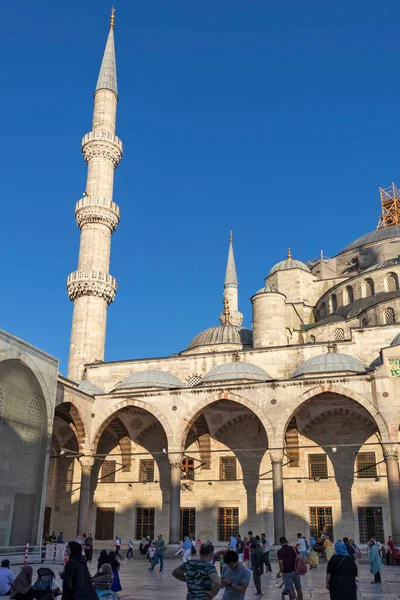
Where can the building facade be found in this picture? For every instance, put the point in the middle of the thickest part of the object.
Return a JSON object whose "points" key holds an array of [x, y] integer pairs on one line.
{"points": [[292, 425]]}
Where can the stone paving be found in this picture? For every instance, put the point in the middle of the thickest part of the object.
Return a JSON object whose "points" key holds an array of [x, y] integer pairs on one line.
{"points": [[138, 583]]}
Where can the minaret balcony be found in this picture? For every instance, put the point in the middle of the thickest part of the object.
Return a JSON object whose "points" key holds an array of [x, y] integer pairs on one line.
{"points": [[91, 283], [94, 209], [102, 144]]}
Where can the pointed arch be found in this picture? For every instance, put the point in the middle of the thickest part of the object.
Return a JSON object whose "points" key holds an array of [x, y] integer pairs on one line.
{"points": [[69, 413]]}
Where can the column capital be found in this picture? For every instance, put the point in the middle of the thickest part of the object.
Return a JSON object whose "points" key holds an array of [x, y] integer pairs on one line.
{"points": [[86, 462], [175, 460], [276, 456], [390, 452]]}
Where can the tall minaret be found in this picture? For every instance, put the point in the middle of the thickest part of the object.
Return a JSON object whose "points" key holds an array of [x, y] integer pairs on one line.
{"points": [[91, 287], [231, 289]]}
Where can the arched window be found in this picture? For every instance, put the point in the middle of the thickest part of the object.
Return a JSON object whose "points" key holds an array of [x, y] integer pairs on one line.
{"points": [[322, 311], [339, 334], [369, 288], [312, 339], [334, 303], [349, 295], [392, 282], [389, 316], [364, 322]]}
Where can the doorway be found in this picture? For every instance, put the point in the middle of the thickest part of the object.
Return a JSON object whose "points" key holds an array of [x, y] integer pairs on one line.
{"points": [[105, 523]]}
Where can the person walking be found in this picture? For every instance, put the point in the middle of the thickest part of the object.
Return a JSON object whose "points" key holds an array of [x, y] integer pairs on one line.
{"points": [[313, 559], [390, 556], [159, 553], [235, 578], [301, 546], [375, 562], [7, 577], [102, 560], [77, 582], [287, 566], [257, 565], [246, 555], [129, 554], [21, 589], [112, 561], [118, 546], [328, 547], [200, 576], [341, 573], [266, 547], [233, 543], [89, 547], [186, 549], [240, 547]]}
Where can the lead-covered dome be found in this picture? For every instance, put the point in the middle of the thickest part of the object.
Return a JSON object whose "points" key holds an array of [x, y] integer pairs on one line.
{"points": [[89, 388], [153, 378], [379, 235], [236, 370], [332, 362], [289, 263], [223, 334]]}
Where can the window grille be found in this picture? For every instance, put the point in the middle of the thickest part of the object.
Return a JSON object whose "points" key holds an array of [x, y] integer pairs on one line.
{"points": [[364, 322], [51, 472], [188, 522], [321, 521], [392, 282], [334, 302], [187, 468], [227, 523], [193, 380], [349, 294], [339, 334], [144, 525], [146, 470], [366, 464], [318, 466], [370, 523], [108, 471], [227, 468], [389, 316], [369, 288]]}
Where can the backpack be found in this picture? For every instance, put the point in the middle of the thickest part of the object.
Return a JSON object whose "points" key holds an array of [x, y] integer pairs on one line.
{"points": [[300, 565]]}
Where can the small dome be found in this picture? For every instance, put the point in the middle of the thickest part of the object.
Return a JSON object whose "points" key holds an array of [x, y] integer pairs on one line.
{"points": [[89, 388], [236, 370], [377, 362], [332, 362], [289, 263], [379, 235], [223, 334], [153, 378], [396, 340]]}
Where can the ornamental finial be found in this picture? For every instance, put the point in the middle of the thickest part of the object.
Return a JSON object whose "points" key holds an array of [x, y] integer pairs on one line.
{"points": [[112, 20], [289, 254], [226, 312], [230, 236]]}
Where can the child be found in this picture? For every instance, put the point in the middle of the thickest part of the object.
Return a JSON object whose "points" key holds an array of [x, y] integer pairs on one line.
{"points": [[151, 550]]}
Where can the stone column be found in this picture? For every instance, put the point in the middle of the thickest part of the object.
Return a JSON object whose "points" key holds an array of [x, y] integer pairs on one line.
{"points": [[392, 469], [279, 504], [86, 463], [175, 506]]}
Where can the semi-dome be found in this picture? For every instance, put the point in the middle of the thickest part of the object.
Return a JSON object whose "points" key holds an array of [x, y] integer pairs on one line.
{"points": [[236, 370], [332, 362], [396, 340], [88, 387], [223, 334], [153, 378], [391, 262], [379, 235], [289, 263]]}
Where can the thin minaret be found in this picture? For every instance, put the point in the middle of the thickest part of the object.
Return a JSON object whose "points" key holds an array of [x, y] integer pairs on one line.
{"points": [[231, 288], [91, 287]]}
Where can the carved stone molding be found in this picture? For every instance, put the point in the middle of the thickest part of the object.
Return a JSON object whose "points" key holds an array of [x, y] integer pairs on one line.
{"points": [[276, 456], [235, 318], [390, 452], [91, 283], [103, 144], [86, 462], [97, 214]]}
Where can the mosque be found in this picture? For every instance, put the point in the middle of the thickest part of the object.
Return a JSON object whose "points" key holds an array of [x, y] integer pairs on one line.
{"points": [[291, 426]]}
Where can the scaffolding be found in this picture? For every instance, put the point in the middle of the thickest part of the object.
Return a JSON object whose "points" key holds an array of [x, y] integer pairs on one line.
{"points": [[390, 202]]}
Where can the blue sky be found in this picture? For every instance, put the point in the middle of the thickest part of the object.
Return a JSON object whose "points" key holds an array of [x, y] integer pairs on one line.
{"points": [[277, 119]]}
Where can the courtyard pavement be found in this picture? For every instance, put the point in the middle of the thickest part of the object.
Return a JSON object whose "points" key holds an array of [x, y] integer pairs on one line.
{"points": [[138, 583]]}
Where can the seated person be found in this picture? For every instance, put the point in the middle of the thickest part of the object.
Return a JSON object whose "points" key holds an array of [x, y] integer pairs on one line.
{"points": [[104, 576], [7, 578], [21, 589]]}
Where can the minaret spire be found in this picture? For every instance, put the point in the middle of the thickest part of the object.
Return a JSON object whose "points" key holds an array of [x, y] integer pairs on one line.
{"points": [[231, 288], [91, 287]]}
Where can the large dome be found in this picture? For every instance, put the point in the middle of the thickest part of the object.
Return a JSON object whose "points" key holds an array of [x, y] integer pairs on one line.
{"points": [[223, 334], [236, 370], [379, 235], [151, 378], [89, 388], [332, 362], [289, 263]]}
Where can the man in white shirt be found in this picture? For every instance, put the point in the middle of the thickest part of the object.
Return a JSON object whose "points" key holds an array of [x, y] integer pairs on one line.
{"points": [[301, 546], [7, 578], [266, 547]]}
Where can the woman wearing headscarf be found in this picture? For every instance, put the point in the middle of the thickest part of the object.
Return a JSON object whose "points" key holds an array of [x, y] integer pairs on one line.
{"points": [[112, 560], [329, 549], [341, 574], [313, 559], [77, 583], [89, 547], [375, 563], [21, 589], [102, 560], [105, 575]]}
